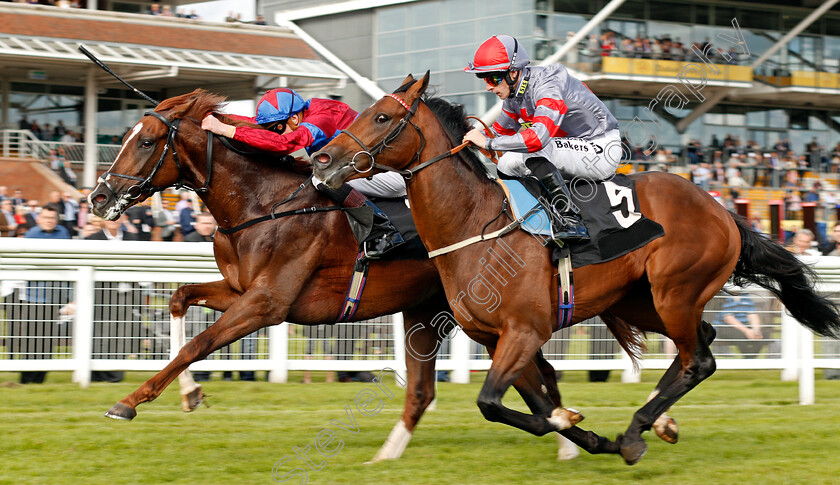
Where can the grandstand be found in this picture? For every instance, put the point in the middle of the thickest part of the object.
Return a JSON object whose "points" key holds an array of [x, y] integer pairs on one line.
{"points": [[692, 83]]}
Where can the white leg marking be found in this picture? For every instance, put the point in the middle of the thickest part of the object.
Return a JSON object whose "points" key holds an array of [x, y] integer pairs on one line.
{"points": [[394, 446], [561, 418], [567, 450], [177, 339]]}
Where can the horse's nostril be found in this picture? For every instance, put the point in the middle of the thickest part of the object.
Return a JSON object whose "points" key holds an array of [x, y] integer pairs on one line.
{"points": [[99, 199], [323, 158]]}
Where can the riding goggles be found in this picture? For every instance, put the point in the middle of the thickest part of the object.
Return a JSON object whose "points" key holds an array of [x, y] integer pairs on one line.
{"points": [[494, 79]]}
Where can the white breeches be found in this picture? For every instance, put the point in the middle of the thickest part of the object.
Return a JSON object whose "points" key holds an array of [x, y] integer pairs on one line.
{"points": [[594, 159]]}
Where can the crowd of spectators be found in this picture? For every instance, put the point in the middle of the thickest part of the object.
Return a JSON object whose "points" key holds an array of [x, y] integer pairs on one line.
{"points": [[19, 214], [666, 48]]}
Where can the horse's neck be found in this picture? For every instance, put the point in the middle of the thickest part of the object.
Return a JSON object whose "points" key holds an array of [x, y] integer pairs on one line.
{"points": [[243, 189], [452, 191]]}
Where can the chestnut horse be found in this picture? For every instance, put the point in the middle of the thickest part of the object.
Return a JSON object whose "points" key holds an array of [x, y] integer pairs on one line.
{"points": [[294, 268], [661, 287]]}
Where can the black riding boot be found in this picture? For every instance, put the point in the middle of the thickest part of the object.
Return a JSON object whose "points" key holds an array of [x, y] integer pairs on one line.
{"points": [[372, 227], [568, 215]]}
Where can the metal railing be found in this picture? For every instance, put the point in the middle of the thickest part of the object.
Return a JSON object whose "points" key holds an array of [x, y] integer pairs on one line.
{"points": [[80, 305], [23, 144]]}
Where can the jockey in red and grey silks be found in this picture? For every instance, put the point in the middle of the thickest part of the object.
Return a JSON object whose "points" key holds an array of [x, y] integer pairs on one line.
{"points": [[566, 123]]}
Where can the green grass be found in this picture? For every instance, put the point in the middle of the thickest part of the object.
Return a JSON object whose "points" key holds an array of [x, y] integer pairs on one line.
{"points": [[738, 427]]}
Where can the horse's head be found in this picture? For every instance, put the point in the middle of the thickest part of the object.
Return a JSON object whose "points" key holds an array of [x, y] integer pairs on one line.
{"points": [[383, 135], [148, 160]]}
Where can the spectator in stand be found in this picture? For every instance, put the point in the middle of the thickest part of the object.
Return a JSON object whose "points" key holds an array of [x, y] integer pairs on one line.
{"points": [[260, 20], [141, 218], [718, 173], [832, 247], [36, 130], [205, 229], [803, 243], [8, 223], [34, 209], [18, 198], [33, 324], [793, 204], [167, 11], [739, 325], [185, 219], [702, 176], [118, 230], [116, 328], [154, 9], [68, 138], [70, 217]]}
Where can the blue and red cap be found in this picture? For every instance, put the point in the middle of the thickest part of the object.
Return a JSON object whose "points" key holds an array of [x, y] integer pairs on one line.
{"points": [[278, 105]]}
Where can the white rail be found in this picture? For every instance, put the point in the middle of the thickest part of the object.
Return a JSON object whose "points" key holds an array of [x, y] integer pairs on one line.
{"points": [[120, 294]]}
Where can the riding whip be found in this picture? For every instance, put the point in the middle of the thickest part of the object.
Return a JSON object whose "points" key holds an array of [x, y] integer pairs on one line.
{"points": [[109, 71]]}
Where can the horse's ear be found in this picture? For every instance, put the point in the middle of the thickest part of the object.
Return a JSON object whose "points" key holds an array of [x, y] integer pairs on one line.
{"points": [[409, 80], [417, 89]]}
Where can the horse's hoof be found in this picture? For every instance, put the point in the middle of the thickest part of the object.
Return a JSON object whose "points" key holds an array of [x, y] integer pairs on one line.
{"points": [[632, 452], [192, 400], [121, 411], [562, 418], [666, 428]]}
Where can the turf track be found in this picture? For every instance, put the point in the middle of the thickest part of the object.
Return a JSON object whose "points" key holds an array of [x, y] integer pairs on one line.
{"points": [[738, 427]]}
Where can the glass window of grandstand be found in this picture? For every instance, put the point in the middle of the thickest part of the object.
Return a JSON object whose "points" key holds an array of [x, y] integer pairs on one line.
{"points": [[42, 112]]}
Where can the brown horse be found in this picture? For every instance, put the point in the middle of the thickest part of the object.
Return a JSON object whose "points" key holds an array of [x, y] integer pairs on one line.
{"points": [[661, 287], [294, 268]]}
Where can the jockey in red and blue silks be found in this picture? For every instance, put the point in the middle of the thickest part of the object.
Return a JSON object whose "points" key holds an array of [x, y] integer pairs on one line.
{"points": [[288, 124], [569, 131]]}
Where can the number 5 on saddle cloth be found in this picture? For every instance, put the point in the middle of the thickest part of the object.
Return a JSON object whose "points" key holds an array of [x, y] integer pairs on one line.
{"points": [[609, 210]]}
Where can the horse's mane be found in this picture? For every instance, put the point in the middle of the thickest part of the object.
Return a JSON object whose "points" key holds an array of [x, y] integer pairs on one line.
{"points": [[454, 120], [197, 104]]}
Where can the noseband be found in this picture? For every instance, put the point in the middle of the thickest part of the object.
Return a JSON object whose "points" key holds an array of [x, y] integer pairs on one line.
{"points": [[146, 186], [390, 137]]}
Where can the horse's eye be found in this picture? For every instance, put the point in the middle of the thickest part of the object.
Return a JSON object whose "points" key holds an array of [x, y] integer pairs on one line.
{"points": [[146, 144], [382, 118]]}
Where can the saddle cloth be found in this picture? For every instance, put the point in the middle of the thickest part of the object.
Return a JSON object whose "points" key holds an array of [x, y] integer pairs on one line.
{"points": [[608, 208]]}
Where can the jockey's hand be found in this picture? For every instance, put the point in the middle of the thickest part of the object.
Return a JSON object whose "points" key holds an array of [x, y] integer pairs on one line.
{"points": [[476, 137], [212, 124]]}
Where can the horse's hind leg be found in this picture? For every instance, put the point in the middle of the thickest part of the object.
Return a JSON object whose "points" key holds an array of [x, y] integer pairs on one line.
{"points": [[665, 426], [538, 387], [696, 363], [514, 352], [216, 295], [422, 342]]}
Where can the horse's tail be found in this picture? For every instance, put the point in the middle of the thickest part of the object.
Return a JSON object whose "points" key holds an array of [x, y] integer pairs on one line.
{"points": [[769, 265]]}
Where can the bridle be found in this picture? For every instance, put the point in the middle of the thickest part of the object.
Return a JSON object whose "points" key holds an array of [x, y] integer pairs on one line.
{"points": [[390, 137], [146, 186]]}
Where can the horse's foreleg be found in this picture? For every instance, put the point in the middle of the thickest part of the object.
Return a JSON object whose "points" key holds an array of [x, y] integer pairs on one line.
{"points": [[514, 353], [696, 363], [252, 311], [422, 343], [216, 295]]}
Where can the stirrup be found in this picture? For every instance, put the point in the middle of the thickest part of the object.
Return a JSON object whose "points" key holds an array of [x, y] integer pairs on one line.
{"points": [[376, 248], [569, 228]]}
